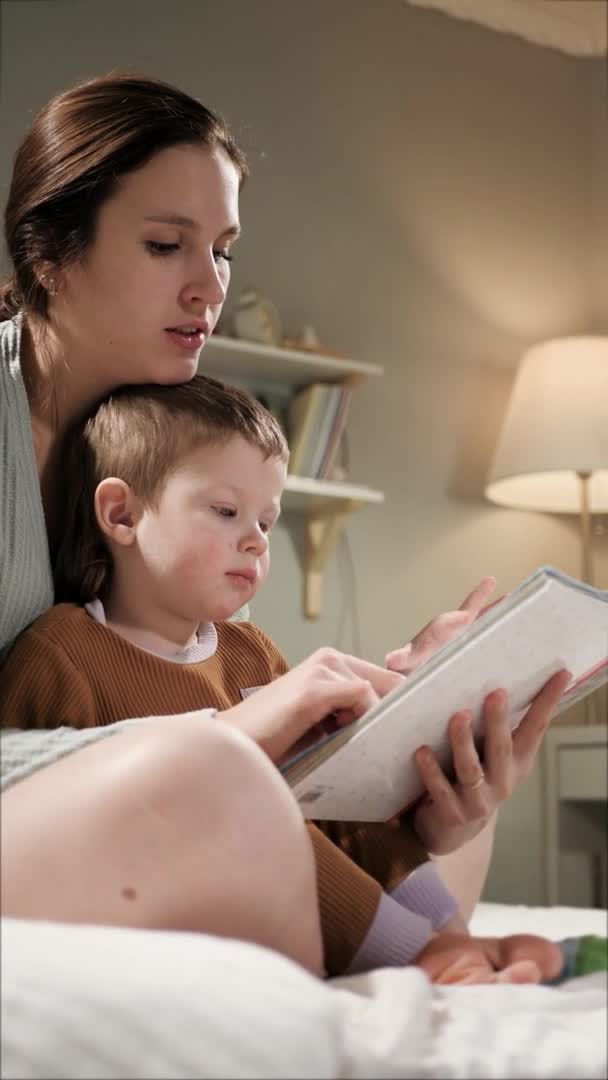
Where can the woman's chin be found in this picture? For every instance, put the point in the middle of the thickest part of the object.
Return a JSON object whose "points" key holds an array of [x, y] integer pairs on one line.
{"points": [[182, 374], [180, 371]]}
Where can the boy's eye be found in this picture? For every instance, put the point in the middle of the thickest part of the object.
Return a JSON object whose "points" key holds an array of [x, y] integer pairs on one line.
{"points": [[265, 527], [225, 511], [156, 247], [225, 255]]}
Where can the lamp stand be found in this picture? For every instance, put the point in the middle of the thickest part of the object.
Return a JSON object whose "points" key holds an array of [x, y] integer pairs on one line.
{"points": [[586, 567], [586, 563]]}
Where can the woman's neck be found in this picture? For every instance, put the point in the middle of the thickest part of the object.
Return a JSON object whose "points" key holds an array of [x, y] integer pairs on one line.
{"points": [[60, 387], [58, 395]]}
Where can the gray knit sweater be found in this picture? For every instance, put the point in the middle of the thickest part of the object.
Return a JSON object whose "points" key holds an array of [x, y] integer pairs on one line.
{"points": [[26, 585]]}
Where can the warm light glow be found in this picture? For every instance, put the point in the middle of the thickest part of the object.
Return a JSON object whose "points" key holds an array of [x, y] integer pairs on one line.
{"points": [[556, 426]]}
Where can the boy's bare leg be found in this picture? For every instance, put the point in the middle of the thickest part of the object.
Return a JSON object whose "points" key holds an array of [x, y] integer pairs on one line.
{"points": [[181, 823]]}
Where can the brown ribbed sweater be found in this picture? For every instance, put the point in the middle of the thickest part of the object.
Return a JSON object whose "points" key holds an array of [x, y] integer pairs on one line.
{"points": [[66, 668]]}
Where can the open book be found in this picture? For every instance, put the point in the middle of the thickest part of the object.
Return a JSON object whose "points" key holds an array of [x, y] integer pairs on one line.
{"points": [[365, 771]]}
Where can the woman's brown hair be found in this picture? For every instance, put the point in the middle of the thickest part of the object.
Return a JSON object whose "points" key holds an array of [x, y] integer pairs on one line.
{"points": [[67, 165], [141, 434]]}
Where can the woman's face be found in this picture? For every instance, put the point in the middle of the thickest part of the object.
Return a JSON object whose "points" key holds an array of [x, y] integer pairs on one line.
{"points": [[140, 304]]}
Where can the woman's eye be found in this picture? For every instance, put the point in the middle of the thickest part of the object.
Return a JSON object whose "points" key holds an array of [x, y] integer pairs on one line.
{"points": [[156, 247], [225, 255]]}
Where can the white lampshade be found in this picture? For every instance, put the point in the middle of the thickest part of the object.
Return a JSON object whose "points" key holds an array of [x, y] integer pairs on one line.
{"points": [[556, 427]]}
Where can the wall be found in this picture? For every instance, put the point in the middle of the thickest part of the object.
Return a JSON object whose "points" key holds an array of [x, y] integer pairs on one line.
{"points": [[599, 186], [421, 194]]}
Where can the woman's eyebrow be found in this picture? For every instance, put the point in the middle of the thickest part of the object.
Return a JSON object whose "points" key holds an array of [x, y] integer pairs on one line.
{"points": [[188, 223]]}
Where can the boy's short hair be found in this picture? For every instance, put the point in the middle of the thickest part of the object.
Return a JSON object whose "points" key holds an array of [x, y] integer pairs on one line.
{"points": [[140, 434]]}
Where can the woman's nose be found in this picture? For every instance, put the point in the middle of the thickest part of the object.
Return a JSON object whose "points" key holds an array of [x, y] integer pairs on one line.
{"points": [[209, 285]]}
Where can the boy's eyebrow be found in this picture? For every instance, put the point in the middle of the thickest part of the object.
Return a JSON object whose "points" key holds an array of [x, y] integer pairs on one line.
{"points": [[188, 223]]}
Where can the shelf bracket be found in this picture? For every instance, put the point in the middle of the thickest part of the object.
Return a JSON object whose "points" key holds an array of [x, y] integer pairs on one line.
{"points": [[322, 533]]}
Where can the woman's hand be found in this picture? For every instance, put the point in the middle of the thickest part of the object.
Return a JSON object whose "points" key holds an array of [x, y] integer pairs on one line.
{"points": [[453, 812], [453, 959], [328, 682], [440, 630]]}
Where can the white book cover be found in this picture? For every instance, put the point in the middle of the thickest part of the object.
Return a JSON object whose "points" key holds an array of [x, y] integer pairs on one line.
{"points": [[366, 772]]}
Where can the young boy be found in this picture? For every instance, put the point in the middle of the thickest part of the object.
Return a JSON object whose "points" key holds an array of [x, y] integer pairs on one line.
{"points": [[176, 492]]}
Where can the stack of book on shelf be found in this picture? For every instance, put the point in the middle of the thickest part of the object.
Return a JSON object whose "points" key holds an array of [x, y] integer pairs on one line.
{"points": [[316, 418]]}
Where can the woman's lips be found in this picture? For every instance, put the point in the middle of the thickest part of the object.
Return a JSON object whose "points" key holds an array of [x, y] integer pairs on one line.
{"points": [[189, 342]]}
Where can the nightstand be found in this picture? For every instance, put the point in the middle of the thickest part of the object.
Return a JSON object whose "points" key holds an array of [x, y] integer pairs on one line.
{"points": [[575, 761]]}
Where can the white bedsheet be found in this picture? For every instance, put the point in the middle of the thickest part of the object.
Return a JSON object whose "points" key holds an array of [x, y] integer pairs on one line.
{"points": [[96, 1002], [552, 922]]}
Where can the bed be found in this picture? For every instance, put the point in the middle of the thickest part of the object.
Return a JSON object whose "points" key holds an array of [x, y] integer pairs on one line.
{"points": [[97, 1002]]}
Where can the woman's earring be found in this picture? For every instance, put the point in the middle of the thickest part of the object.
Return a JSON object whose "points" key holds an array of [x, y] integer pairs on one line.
{"points": [[52, 287]]}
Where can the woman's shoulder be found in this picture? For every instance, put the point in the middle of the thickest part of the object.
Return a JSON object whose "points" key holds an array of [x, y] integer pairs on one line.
{"points": [[10, 349], [10, 338]]}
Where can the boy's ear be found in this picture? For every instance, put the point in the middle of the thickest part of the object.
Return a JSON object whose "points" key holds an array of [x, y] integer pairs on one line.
{"points": [[117, 510]]}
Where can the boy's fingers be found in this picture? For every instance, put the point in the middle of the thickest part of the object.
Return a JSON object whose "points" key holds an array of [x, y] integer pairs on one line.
{"points": [[382, 680]]}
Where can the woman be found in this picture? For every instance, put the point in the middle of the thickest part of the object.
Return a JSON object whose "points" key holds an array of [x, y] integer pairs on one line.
{"points": [[120, 222]]}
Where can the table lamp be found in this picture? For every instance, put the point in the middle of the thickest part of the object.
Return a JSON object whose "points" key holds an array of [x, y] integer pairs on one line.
{"points": [[552, 454]]}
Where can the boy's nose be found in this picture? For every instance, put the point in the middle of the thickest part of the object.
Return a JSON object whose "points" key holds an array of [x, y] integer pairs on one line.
{"points": [[256, 541]]}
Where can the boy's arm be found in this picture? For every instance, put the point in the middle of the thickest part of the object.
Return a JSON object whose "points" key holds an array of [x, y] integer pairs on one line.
{"points": [[41, 688]]}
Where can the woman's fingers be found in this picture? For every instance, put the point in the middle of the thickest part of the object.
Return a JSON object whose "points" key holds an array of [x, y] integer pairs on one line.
{"points": [[467, 765], [498, 744], [443, 798], [479, 596], [432, 636], [440, 630], [529, 734]]}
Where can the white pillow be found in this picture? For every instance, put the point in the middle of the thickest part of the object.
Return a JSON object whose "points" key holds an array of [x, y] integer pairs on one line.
{"points": [[97, 1002]]}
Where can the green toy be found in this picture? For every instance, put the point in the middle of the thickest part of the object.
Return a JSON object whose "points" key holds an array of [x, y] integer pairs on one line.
{"points": [[582, 956]]}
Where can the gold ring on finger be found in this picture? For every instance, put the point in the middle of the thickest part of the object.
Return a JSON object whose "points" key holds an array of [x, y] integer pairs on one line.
{"points": [[473, 785]]}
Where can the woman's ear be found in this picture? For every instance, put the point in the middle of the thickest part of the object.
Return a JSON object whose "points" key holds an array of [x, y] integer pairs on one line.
{"points": [[117, 510], [49, 276]]}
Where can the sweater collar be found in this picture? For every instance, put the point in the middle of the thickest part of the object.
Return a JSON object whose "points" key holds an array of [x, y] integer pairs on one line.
{"points": [[203, 649]]}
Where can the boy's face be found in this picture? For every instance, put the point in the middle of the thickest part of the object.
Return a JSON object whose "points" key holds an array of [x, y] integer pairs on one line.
{"points": [[204, 548]]}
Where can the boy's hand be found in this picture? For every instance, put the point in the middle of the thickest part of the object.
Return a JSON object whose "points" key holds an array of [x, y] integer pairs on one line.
{"points": [[458, 959], [329, 682]]}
